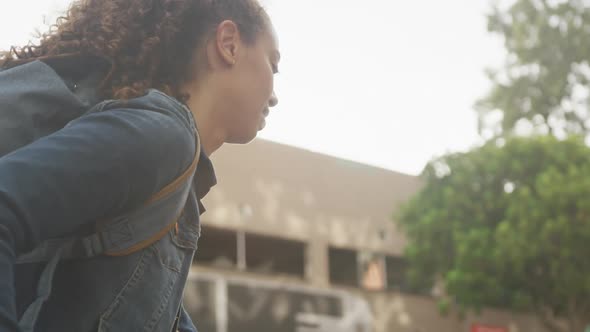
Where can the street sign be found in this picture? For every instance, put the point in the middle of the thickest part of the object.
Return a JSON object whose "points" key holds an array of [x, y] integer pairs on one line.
{"points": [[484, 328]]}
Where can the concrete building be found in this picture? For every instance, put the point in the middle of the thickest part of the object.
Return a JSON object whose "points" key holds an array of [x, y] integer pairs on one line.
{"points": [[295, 241]]}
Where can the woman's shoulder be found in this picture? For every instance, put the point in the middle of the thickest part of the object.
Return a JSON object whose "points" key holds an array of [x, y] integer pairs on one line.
{"points": [[154, 122], [154, 101]]}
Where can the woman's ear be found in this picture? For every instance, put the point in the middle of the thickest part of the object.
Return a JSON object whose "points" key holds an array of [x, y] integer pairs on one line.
{"points": [[228, 42]]}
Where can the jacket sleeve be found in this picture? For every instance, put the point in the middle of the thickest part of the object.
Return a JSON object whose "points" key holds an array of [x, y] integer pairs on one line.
{"points": [[99, 166]]}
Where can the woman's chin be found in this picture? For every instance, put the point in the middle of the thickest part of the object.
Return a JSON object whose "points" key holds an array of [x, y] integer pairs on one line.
{"points": [[262, 124]]}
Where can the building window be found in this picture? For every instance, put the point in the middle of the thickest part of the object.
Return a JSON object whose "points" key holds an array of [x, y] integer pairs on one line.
{"points": [[217, 247], [396, 268], [396, 271], [255, 253], [343, 267], [372, 271], [265, 254]]}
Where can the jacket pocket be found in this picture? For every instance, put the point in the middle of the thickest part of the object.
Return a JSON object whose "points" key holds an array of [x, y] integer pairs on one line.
{"points": [[150, 297]]}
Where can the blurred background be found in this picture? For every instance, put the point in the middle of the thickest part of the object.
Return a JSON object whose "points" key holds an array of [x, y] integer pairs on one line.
{"points": [[426, 169]]}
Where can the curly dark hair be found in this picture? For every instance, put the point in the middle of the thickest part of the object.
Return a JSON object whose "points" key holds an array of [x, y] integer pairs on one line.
{"points": [[150, 43]]}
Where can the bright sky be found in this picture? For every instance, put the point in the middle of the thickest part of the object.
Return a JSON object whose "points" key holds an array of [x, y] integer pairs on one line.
{"points": [[383, 82]]}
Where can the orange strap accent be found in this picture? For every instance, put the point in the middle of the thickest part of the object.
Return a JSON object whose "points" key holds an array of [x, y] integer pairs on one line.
{"points": [[145, 243], [170, 188]]}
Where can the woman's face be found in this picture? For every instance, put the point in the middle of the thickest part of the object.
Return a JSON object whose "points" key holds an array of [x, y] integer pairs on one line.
{"points": [[249, 88]]}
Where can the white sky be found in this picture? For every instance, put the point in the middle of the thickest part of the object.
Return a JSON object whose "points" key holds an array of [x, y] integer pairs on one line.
{"points": [[388, 83]]}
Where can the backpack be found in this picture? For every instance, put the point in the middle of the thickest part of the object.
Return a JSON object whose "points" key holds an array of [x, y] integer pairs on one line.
{"points": [[41, 97]]}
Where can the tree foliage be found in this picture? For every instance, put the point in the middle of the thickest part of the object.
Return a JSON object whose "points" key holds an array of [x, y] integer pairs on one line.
{"points": [[545, 81], [507, 225]]}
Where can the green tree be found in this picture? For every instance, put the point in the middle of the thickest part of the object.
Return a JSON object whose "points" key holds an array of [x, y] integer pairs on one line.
{"points": [[508, 226], [545, 81]]}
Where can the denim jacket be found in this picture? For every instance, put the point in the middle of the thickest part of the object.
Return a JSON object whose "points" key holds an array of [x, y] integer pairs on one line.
{"points": [[97, 167]]}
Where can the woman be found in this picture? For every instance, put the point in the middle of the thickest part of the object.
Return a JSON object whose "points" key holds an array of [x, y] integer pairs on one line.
{"points": [[151, 72]]}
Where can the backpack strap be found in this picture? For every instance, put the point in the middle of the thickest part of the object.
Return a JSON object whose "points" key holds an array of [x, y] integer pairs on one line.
{"points": [[149, 224], [118, 237], [126, 234]]}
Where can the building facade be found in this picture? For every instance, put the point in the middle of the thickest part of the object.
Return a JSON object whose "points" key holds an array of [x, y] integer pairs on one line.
{"points": [[296, 241]]}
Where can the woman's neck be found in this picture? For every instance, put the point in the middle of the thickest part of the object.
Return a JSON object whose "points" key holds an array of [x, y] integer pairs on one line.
{"points": [[212, 136]]}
